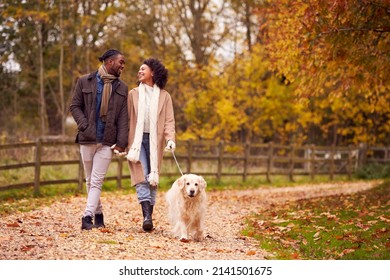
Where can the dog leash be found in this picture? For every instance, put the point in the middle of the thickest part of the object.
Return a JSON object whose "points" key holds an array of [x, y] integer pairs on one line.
{"points": [[176, 162]]}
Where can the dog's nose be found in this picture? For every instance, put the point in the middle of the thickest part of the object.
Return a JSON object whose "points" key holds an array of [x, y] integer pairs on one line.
{"points": [[192, 193]]}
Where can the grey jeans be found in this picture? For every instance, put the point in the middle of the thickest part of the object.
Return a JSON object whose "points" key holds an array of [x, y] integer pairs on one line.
{"points": [[96, 159]]}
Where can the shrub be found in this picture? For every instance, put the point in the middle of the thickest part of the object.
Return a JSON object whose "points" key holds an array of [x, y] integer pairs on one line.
{"points": [[374, 171]]}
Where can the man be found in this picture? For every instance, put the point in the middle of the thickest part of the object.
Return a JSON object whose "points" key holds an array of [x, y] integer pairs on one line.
{"points": [[99, 107]]}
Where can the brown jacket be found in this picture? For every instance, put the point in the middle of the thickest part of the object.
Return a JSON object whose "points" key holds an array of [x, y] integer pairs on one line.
{"points": [[165, 129], [83, 109]]}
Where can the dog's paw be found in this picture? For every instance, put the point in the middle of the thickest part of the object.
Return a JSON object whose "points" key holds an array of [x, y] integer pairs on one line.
{"points": [[198, 239], [198, 236], [184, 239]]}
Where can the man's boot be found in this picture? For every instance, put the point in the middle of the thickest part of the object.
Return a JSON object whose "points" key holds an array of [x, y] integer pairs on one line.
{"points": [[99, 221], [86, 223], [146, 212]]}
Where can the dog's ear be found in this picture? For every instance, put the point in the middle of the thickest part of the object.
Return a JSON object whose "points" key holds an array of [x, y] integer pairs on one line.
{"points": [[202, 183], [181, 182]]}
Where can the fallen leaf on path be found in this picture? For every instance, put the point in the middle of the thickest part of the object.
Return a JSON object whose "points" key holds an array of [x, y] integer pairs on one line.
{"points": [[295, 256], [316, 236], [130, 237], [15, 224], [27, 248], [384, 219], [346, 251], [157, 245]]}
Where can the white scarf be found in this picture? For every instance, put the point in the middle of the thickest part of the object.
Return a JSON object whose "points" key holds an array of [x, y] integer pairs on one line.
{"points": [[134, 152]]}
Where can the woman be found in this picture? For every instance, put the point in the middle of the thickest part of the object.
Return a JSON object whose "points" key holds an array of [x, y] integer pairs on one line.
{"points": [[151, 127]]}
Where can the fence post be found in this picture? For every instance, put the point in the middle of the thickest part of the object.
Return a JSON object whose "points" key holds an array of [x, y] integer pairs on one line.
{"points": [[189, 156], [81, 173], [362, 159], [220, 156], [332, 166], [312, 162], [270, 161], [119, 173], [349, 162], [291, 171], [246, 160], [37, 173]]}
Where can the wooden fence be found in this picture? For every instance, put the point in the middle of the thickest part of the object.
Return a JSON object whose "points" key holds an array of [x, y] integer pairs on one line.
{"points": [[205, 158]]}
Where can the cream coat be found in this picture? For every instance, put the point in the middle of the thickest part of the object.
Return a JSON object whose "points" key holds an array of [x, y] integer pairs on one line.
{"points": [[165, 129]]}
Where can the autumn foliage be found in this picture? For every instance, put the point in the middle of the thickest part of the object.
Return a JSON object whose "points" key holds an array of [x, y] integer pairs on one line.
{"points": [[337, 55], [304, 72]]}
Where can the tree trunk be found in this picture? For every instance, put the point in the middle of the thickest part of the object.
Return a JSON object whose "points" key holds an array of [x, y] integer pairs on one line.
{"points": [[60, 72], [42, 103], [248, 25]]}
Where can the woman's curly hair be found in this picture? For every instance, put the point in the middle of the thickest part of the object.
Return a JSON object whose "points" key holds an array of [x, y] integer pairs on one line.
{"points": [[160, 73]]}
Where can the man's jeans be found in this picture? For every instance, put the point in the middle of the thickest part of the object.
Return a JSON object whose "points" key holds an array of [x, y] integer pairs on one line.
{"points": [[145, 192], [96, 159]]}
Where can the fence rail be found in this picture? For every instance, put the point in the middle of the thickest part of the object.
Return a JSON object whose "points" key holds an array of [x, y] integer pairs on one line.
{"points": [[205, 158]]}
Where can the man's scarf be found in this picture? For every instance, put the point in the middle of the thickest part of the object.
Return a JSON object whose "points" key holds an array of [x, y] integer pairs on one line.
{"points": [[107, 88], [134, 152]]}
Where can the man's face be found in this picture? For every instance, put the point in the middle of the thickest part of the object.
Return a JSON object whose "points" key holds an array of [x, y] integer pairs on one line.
{"points": [[115, 65]]}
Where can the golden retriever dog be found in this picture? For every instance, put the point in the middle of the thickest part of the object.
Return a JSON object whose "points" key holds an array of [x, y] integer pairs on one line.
{"points": [[187, 202]]}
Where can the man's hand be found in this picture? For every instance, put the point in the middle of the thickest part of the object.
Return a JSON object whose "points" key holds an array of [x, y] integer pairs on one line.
{"points": [[118, 151]]}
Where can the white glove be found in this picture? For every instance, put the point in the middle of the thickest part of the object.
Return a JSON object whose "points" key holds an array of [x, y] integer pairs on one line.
{"points": [[171, 146], [116, 152]]}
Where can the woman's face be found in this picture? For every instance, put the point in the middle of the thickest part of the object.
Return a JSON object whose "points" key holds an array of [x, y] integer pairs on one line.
{"points": [[145, 75]]}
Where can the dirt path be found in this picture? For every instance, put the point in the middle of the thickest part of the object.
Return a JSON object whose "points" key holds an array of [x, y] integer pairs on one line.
{"points": [[54, 232]]}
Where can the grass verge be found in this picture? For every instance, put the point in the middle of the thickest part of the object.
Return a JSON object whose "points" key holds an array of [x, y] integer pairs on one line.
{"points": [[347, 227]]}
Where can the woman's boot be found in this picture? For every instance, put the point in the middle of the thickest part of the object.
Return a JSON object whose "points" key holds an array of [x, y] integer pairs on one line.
{"points": [[147, 213]]}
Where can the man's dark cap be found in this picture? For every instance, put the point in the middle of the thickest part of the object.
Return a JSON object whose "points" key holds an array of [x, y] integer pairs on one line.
{"points": [[108, 54]]}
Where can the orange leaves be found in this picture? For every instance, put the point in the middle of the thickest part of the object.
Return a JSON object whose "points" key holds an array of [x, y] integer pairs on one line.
{"points": [[295, 256], [339, 237], [26, 248], [15, 224], [105, 230], [326, 49], [251, 253]]}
